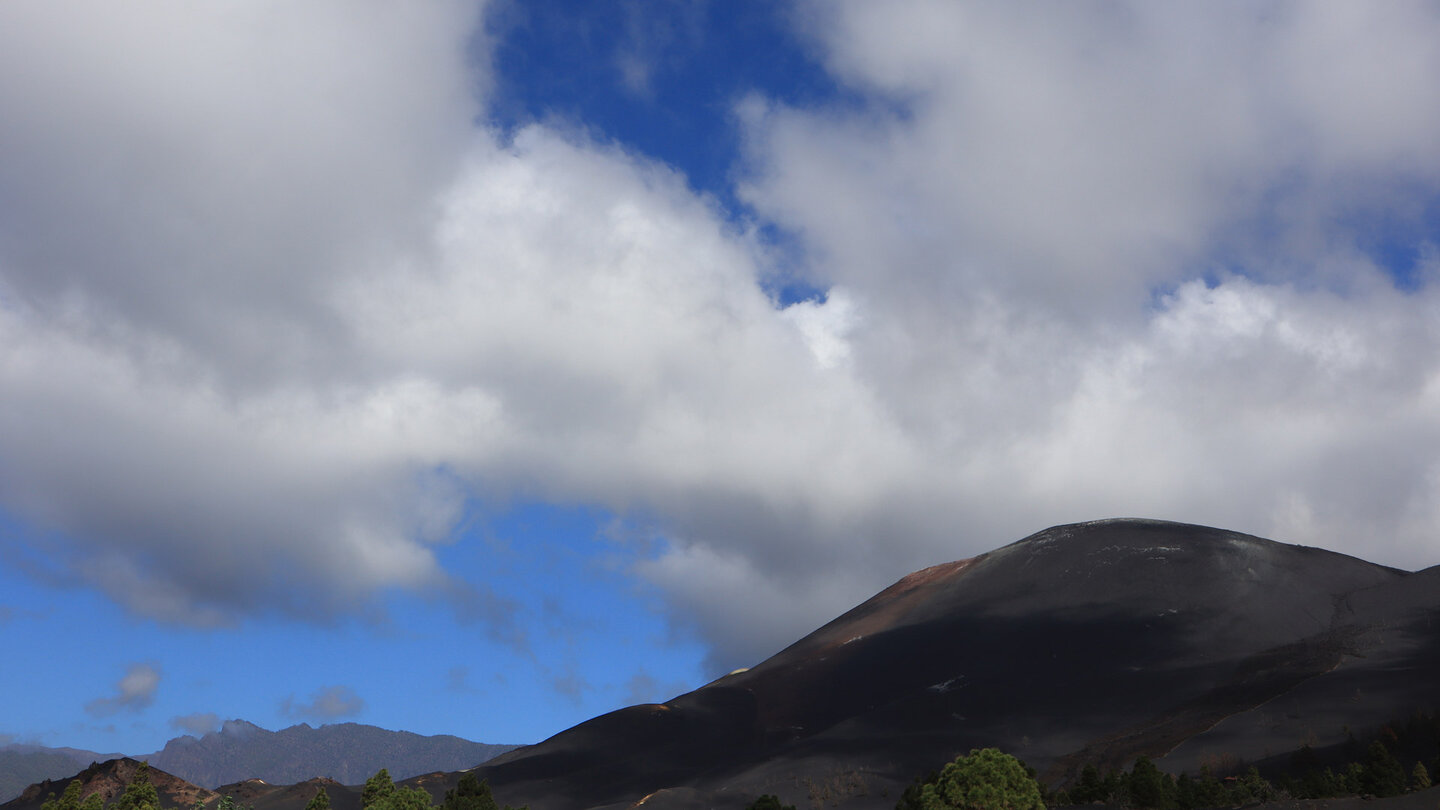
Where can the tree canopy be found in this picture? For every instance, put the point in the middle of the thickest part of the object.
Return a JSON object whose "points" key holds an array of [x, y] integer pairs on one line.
{"points": [[140, 794], [377, 788], [984, 779], [469, 794], [321, 801], [69, 800]]}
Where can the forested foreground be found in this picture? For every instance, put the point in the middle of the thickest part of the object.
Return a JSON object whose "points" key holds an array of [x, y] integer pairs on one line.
{"points": [[988, 779], [380, 793], [1380, 774], [1398, 759]]}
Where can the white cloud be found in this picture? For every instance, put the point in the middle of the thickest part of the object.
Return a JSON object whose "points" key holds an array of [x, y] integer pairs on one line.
{"points": [[327, 703], [197, 724], [825, 326], [196, 172], [264, 329], [134, 692]]}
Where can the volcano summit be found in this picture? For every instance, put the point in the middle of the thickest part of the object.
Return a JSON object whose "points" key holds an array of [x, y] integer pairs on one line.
{"points": [[1086, 643]]}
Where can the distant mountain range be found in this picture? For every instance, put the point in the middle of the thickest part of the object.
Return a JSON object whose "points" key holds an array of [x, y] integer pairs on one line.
{"points": [[23, 765], [1091, 643], [347, 752]]}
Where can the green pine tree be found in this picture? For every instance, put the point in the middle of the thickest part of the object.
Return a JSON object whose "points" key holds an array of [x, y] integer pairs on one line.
{"points": [[69, 800], [93, 802], [1187, 793], [321, 801], [469, 794], [1257, 785], [377, 788], [408, 799], [1419, 777], [1149, 786], [1090, 788], [984, 779], [1210, 791], [228, 802], [910, 799], [1381, 774], [139, 794]]}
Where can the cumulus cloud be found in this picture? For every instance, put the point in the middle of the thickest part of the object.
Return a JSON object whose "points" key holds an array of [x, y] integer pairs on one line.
{"points": [[264, 331], [182, 183], [134, 692], [197, 724], [328, 703]]}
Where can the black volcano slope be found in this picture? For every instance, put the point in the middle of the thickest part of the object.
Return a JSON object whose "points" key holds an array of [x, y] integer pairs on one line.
{"points": [[1093, 642]]}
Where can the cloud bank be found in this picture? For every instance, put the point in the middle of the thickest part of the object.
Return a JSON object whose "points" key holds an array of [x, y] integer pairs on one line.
{"points": [[329, 703], [197, 724], [272, 307]]}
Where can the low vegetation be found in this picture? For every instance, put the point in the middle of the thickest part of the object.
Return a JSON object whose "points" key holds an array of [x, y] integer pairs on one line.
{"points": [[1374, 770], [71, 799], [984, 779], [988, 779], [379, 793]]}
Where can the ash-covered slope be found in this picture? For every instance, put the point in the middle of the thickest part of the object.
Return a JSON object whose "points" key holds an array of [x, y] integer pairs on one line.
{"points": [[1093, 642]]}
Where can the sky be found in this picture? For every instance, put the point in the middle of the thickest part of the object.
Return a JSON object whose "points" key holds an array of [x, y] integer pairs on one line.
{"points": [[479, 367]]}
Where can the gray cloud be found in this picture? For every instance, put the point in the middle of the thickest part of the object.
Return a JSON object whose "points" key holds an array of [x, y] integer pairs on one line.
{"points": [[134, 692], [328, 703], [197, 724], [195, 272], [644, 688], [457, 679], [1110, 260], [571, 685]]}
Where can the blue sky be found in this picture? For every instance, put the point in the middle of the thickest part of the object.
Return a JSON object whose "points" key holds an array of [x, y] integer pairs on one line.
{"points": [[476, 368]]}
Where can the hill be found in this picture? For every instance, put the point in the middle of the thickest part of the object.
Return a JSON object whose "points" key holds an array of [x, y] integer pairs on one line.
{"points": [[109, 779], [1093, 642]]}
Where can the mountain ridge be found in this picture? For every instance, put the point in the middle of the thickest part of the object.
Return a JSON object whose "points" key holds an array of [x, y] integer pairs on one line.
{"points": [[241, 750], [347, 752]]}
